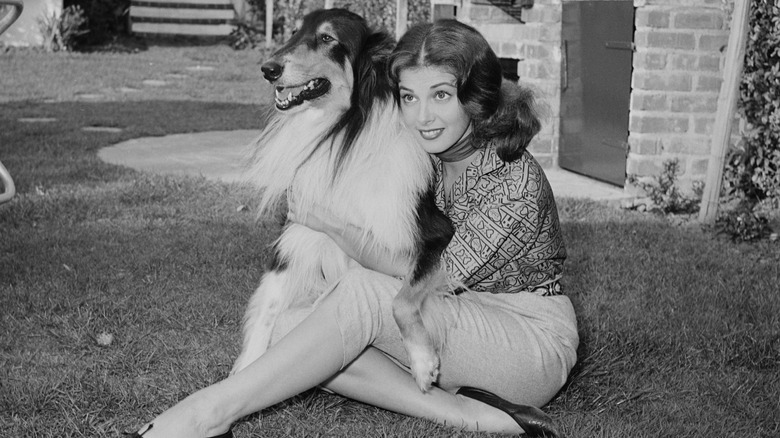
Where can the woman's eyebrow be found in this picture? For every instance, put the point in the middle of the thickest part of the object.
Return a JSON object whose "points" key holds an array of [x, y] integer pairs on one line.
{"points": [[450, 84]]}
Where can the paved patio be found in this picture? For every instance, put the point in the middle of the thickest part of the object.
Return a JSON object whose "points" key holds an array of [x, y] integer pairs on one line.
{"points": [[219, 155]]}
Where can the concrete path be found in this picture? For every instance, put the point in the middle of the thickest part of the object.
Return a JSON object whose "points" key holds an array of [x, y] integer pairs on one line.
{"points": [[216, 155], [219, 155]]}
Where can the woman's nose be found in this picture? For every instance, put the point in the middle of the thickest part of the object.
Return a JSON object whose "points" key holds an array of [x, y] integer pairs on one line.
{"points": [[425, 115]]}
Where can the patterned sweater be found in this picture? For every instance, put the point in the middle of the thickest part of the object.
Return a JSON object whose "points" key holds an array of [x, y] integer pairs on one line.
{"points": [[507, 235]]}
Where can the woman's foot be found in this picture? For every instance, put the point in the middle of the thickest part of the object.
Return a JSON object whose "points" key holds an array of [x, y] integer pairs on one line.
{"points": [[532, 420], [150, 426], [190, 418]]}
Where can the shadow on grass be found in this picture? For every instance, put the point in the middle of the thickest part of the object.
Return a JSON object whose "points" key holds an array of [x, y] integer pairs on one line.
{"points": [[675, 324], [679, 331], [59, 152]]}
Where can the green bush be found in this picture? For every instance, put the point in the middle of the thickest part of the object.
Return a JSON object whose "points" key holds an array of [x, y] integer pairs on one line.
{"points": [[106, 20], [742, 224], [663, 193], [60, 31], [752, 167], [381, 13]]}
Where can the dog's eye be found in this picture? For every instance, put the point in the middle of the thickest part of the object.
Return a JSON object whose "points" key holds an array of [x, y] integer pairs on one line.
{"points": [[327, 38]]}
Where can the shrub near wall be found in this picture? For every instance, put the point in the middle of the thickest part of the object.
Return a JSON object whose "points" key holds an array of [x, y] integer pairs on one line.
{"points": [[753, 168], [381, 13], [106, 20]]}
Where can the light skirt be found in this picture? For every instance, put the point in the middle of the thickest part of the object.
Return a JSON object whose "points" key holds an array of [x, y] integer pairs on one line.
{"points": [[519, 346]]}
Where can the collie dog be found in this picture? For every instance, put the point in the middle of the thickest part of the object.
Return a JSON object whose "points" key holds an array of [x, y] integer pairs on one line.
{"points": [[336, 138]]}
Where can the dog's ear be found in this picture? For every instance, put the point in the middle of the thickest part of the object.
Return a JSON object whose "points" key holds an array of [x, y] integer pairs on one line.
{"points": [[370, 83], [370, 69]]}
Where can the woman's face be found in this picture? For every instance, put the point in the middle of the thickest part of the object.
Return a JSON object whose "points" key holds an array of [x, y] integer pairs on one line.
{"points": [[430, 108]]}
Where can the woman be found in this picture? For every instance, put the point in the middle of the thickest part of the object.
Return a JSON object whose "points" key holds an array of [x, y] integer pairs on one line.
{"points": [[513, 334]]}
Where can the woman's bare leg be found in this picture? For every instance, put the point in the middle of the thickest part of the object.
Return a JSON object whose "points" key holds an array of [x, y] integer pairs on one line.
{"points": [[310, 354], [375, 379], [371, 378]]}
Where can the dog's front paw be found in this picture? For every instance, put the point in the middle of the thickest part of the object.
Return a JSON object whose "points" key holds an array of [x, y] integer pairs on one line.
{"points": [[425, 366]]}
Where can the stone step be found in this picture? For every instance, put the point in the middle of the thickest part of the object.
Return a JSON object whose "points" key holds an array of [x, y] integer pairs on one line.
{"points": [[182, 17], [185, 3], [182, 14]]}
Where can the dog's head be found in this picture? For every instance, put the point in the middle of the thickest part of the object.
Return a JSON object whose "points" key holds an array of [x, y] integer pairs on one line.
{"points": [[328, 63], [334, 63]]}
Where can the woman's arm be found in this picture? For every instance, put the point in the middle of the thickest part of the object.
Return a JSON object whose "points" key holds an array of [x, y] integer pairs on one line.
{"points": [[351, 239], [512, 231]]}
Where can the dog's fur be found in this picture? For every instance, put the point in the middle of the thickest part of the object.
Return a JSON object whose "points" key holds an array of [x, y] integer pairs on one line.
{"points": [[339, 141]]}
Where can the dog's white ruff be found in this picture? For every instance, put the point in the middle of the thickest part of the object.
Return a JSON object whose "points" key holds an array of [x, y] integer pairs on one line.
{"points": [[376, 189]]}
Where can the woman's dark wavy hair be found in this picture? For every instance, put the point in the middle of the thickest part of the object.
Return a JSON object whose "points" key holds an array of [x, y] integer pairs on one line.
{"points": [[503, 114]]}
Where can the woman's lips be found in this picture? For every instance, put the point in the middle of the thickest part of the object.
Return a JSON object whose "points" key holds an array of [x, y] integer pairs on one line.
{"points": [[431, 134]]}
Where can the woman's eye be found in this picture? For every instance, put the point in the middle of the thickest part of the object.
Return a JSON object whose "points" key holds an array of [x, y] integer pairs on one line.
{"points": [[408, 98], [441, 95]]}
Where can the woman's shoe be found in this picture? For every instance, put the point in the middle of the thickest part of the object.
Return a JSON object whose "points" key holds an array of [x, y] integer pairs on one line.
{"points": [[228, 434], [534, 422]]}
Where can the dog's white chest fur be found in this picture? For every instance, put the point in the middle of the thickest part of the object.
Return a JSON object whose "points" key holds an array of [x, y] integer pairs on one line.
{"points": [[376, 188]]}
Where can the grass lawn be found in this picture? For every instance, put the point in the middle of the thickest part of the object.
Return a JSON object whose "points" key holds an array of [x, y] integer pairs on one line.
{"points": [[122, 292]]}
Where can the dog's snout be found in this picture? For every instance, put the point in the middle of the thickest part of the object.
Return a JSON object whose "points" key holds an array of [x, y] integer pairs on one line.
{"points": [[271, 70]]}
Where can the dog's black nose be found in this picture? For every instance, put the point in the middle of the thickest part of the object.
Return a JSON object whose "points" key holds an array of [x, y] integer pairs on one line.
{"points": [[271, 70]]}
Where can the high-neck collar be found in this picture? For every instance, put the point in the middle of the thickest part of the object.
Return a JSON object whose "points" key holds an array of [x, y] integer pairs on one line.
{"points": [[461, 150]]}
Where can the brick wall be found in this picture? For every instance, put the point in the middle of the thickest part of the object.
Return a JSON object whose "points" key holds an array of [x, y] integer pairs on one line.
{"points": [[536, 43], [677, 73], [680, 45]]}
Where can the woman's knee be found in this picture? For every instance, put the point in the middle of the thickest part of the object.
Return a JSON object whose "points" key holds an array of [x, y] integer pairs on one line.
{"points": [[365, 288], [362, 302], [287, 321], [360, 294]]}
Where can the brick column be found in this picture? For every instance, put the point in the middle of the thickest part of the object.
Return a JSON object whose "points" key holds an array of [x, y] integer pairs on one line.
{"points": [[680, 45], [536, 44]]}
